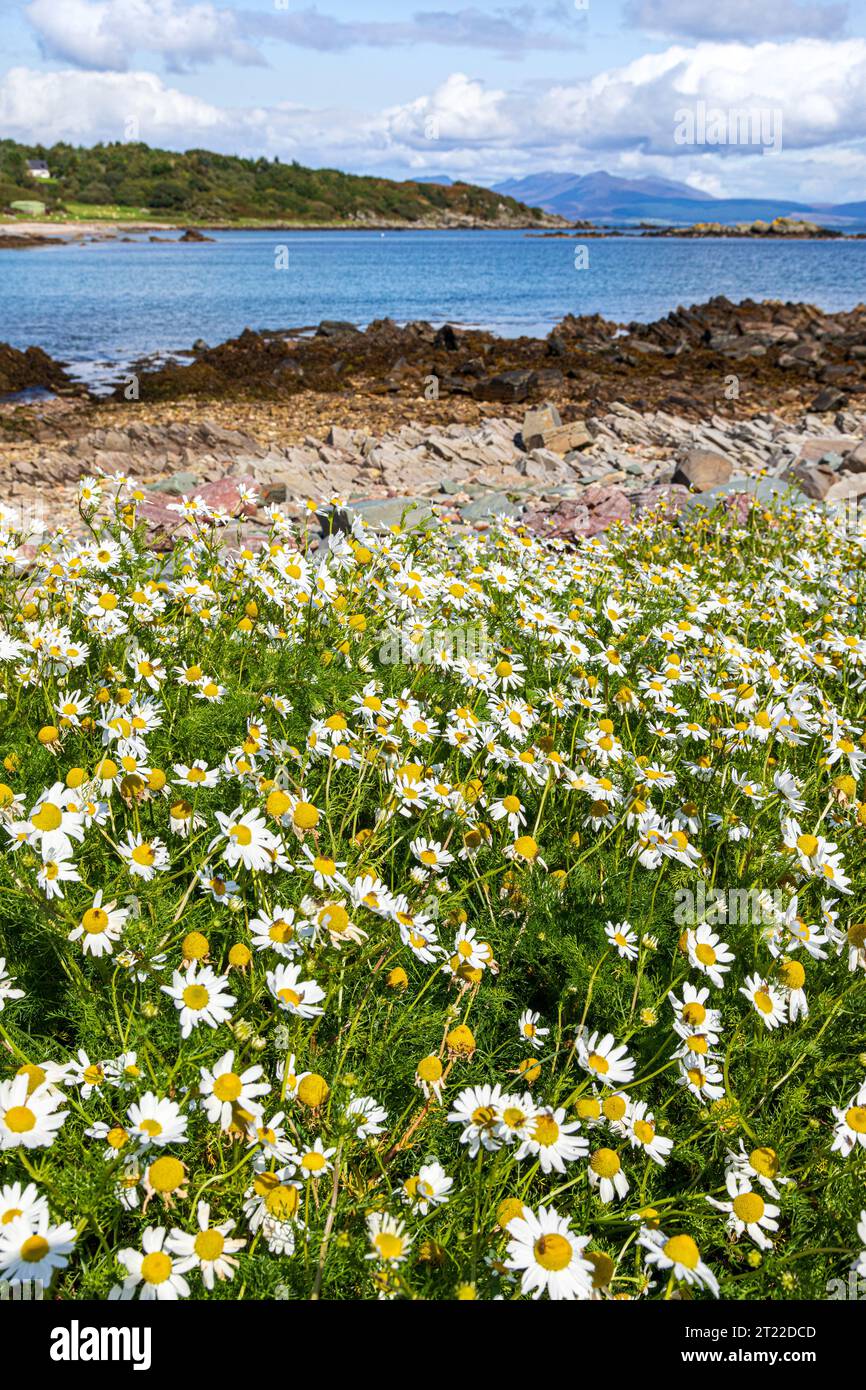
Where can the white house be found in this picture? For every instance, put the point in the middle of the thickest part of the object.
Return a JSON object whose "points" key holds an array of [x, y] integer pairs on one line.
{"points": [[38, 169]]}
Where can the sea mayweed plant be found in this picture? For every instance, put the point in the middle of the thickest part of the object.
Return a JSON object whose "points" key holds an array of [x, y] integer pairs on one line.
{"points": [[323, 977]]}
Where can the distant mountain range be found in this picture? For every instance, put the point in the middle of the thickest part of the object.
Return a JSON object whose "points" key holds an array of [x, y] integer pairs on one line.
{"points": [[604, 197]]}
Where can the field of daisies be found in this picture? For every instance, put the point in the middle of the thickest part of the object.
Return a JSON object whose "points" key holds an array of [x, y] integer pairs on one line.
{"points": [[431, 915]]}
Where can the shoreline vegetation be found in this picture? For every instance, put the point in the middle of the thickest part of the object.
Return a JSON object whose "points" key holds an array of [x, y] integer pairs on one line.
{"points": [[134, 183], [16, 235], [779, 229]]}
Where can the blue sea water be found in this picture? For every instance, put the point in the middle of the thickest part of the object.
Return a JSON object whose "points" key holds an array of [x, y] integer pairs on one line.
{"points": [[102, 304]]}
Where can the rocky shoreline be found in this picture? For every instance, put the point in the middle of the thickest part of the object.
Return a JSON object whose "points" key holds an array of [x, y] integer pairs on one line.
{"points": [[565, 480], [18, 236], [591, 426], [785, 352]]}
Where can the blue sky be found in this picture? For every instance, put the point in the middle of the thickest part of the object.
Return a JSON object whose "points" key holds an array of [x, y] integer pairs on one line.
{"points": [[481, 91]]}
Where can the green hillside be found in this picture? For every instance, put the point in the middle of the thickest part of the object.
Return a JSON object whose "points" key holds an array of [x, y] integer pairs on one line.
{"points": [[200, 186]]}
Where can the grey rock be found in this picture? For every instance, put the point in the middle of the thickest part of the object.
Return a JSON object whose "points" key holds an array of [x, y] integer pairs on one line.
{"points": [[855, 459], [536, 424], [508, 386], [814, 450], [339, 438], [702, 469], [494, 504], [379, 514], [814, 480], [178, 485], [829, 399], [332, 328], [849, 485], [567, 437], [767, 490]]}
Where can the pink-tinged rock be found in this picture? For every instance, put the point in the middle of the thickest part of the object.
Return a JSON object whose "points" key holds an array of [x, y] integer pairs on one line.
{"points": [[592, 512], [609, 499], [646, 499], [155, 512], [224, 495], [738, 507], [161, 525], [607, 505]]}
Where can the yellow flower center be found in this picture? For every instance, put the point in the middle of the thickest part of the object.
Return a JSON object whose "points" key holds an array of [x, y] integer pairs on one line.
{"points": [[305, 816], [765, 1162], [682, 1250], [166, 1174], [47, 818], [94, 921], [335, 917], [513, 1117], [605, 1162], [748, 1207], [20, 1119], [525, 847], [389, 1245], [195, 997], [545, 1131], [209, 1245], [792, 975], [553, 1252], [483, 1116], [313, 1090], [281, 1202], [34, 1249], [228, 1086], [156, 1267]]}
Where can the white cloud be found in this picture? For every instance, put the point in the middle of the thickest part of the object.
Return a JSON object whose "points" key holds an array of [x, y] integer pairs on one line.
{"points": [[738, 19], [43, 107], [108, 34], [816, 85], [624, 119], [103, 34]]}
